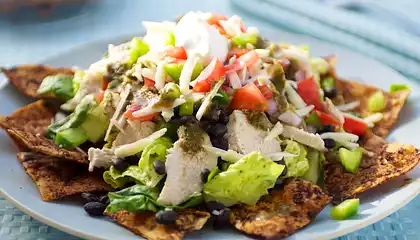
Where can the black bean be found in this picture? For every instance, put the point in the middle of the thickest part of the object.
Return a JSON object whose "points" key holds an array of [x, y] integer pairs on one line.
{"points": [[132, 160], [89, 197], [284, 173], [166, 217], [223, 117], [159, 167], [120, 164], [279, 184], [214, 206], [204, 175], [218, 130], [361, 140], [330, 92], [95, 208], [329, 143], [196, 107], [219, 142], [212, 114], [188, 120], [104, 199], [222, 219], [327, 128], [205, 125]]}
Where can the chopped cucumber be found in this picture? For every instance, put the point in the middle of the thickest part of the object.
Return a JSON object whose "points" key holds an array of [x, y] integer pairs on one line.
{"points": [[71, 137], [328, 83], [350, 159], [345, 209], [187, 108], [376, 102], [96, 123], [398, 87], [174, 70], [137, 49], [313, 172], [243, 39]]}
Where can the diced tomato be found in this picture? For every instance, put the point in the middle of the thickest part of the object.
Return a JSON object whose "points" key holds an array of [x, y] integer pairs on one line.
{"points": [[355, 126], [237, 52], [213, 72], [104, 84], [327, 118], [235, 66], [249, 58], [215, 18], [176, 52], [308, 90], [249, 97], [266, 91], [149, 82], [129, 114], [99, 97]]}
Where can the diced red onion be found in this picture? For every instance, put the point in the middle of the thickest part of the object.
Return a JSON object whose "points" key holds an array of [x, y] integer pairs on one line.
{"points": [[299, 76], [272, 107]]}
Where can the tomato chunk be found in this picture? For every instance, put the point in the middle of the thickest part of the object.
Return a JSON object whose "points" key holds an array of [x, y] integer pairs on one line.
{"points": [[213, 72], [237, 52], [149, 82], [176, 52], [129, 114], [327, 118], [308, 90], [245, 60], [99, 97], [266, 91], [355, 126], [249, 97]]}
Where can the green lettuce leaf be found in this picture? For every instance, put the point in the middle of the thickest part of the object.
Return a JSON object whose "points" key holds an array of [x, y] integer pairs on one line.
{"points": [[296, 166], [115, 178], [244, 181], [142, 198]]}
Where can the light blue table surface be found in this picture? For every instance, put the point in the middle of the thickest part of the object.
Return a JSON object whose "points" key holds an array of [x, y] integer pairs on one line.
{"points": [[22, 42]]}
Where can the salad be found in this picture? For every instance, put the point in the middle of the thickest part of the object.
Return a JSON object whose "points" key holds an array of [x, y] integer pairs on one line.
{"points": [[204, 118]]}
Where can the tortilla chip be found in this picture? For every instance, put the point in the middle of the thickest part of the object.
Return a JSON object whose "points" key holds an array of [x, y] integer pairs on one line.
{"points": [[281, 213], [145, 225], [28, 78], [389, 161], [57, 178], [27, 126], [350, 91]]}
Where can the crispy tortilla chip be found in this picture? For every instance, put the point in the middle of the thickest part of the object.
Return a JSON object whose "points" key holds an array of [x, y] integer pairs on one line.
{"points": [[28, 78], [389, 161], [27, 126], [349, 91], [145, 225], [281, 213], [57, 178]]}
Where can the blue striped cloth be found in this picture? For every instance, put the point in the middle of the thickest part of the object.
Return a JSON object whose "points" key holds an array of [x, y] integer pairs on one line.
{"points": [[382, 30]]}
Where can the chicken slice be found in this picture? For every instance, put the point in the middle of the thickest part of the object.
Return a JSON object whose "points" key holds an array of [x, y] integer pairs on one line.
{"points": [[244, 137], [133, 131], [184, 165]]}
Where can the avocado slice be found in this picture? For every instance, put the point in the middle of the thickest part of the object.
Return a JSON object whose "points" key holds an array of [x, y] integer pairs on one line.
{"points": [[345, 209], [350, 159], [71, 137], [96, 123]]}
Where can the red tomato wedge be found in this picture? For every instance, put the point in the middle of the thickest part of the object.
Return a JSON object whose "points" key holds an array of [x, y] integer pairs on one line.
{"points": [[104, 84], [176, 52], [355, 126], [129, 114], [99, 97], [249, 97], [266, 91], [237, 52], [213, 72], [245, 60], [327, 118], [308, 90], [149, 82]]}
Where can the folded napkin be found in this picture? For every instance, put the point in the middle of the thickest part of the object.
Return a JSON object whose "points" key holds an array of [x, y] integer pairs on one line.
{"points": [[388, 34]]}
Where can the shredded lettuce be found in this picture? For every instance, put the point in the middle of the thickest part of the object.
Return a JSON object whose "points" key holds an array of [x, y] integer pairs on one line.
{"points": [[244, 181], [296, 166], [142, 198], [115, 178]]}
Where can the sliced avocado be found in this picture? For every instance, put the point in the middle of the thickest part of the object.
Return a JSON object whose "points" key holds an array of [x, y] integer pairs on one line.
{"points": [[96, 123], [71, 137], [313, 172], [350, 159], [174, 70], [345, 209]]}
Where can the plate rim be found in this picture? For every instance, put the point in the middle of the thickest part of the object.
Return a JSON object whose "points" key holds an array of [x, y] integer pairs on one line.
{"points": [[337, 233]]}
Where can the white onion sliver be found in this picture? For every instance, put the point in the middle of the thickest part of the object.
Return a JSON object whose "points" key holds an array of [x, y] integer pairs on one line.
{"points": [[301, 136], [340, 136], [234, 80], [160, 76], [292, 83], [349, 145], [149, 109], [263, 52], [149, 73], [186, 73], [294, 97], [374, 118], [277, 130], [290, 118], [304, 111], [272, 107], [348, 106], [207, 100], [334, 111]]}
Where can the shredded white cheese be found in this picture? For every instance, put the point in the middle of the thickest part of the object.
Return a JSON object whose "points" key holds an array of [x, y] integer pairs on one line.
{"points": [[308, 139], [186, 73], [349, 145], [160, 75], [304, 111], [207, 100], [340, 136], [334, 111], [374, 118], [138, 146], [119, 109], [291, 118], [275, 132], [149, 109], [348, 106], [294, 97], [234, 80]]}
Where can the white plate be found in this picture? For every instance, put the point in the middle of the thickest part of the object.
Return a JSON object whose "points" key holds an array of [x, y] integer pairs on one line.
{"points": [[18, 188]]}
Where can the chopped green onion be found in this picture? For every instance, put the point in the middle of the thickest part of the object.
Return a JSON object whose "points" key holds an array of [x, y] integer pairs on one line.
{"points": [[242, 40], [345, 209], [398, 87], [174, 70], [187, 108], [137, 49], [350, 159], [328, 83], [376, 102]]}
